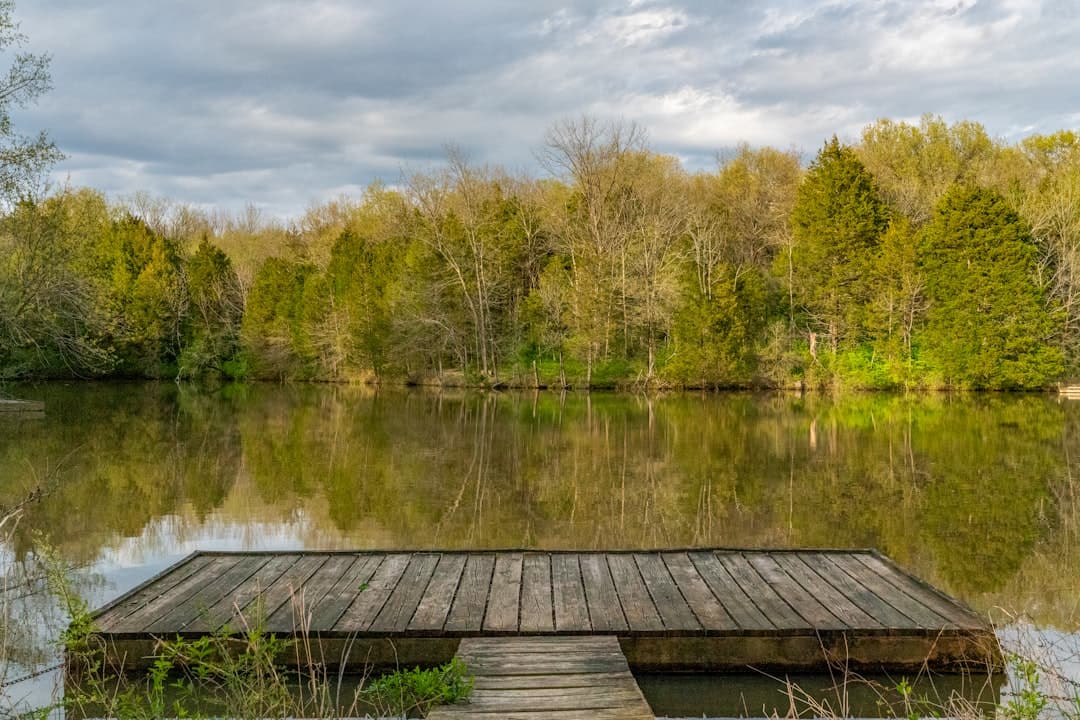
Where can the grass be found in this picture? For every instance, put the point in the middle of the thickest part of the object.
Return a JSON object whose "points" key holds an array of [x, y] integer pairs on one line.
{"points": [[240, 675]]}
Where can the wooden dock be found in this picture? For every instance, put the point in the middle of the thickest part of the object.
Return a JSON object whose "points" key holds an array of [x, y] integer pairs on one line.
{"points": [[547, 678], [669, 610]]}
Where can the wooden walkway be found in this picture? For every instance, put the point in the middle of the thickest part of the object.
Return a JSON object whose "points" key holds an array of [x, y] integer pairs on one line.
{"points": [[547, 678], [679, 609]]}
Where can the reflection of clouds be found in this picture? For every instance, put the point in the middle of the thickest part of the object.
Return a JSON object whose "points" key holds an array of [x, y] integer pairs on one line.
{"points": [[1056, 653]]}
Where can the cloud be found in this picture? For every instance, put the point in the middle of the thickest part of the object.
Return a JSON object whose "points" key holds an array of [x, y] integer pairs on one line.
{"points": [[283, 102]]}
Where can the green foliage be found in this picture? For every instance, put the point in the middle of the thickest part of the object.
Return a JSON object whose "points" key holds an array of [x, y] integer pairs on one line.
{"points": [[212, 325], [228, 674], [139, 279], [714, 336], [417, 690], [1028, 700], [987, 322], [362, 275], [623, 270], [837, 222], [272, 331]]}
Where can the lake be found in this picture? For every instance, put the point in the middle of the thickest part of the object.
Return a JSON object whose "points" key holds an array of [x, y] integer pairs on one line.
{"points": [[977, 494]]}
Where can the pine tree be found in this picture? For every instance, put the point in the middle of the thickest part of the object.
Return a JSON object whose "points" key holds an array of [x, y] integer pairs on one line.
{"points": [[988, 325], [837, 223]]}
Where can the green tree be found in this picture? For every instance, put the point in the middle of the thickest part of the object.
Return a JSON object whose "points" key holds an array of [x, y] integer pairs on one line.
{"points": [[987, 323], [272, 331], [143, 296], [212, 324], [837, 222], [913, 165], [715, 335], [49, 311]]}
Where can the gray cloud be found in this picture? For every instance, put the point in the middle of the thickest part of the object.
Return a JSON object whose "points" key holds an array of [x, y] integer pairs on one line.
{"points": [[283, 103]]}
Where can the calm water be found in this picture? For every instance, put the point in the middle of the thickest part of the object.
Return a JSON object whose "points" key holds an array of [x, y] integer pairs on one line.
{"points": [[979, 495]]}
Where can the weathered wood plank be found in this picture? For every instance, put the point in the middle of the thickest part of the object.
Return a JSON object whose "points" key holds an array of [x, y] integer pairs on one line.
{"points": [[504, 600], [729, 592], [670, 603], [434, 606], [605, 612], [637, 605], [718, 609], [706, 608], [779, 613], [277, 607], [568, 593], [470, 602], [951, 611], [403, 601], [864, 576], [561, 680], [537, 613], [142, 618], [794, 594], [456, 713], [338, 598], [222, 612], [372, 595], [298, 610], [110, 618], [206, 596], [886, 615], [537, 678]]}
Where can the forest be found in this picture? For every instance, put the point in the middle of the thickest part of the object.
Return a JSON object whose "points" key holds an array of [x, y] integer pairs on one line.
{"points": [[924, 255]]}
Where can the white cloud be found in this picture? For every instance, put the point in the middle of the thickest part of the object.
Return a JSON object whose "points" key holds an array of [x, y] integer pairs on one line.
{"points": [[282, 102]]}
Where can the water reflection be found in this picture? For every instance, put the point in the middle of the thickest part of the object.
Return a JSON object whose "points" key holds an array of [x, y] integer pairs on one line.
{"points": [[973, 493]]}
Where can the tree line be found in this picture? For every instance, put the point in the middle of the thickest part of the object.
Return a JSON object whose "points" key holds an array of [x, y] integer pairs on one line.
{"points": [[923, 255]]}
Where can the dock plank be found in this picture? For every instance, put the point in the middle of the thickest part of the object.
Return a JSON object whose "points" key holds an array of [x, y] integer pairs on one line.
{"points": [[605, 611], [470, 602], [403, 601], [568, 594], [728, 591], [837, 603], [706, 608], [886, 615], [222, 612], [672, 607], [537, 613], [534, 678], [434, 606], [338, 598], [864, 576], [779, 613], [799, 598], [178, 617], [950, 610], [300, 609], [637, 604], [139, 620], [372, 595], [275, 609], [112, 616], [504, 599]]}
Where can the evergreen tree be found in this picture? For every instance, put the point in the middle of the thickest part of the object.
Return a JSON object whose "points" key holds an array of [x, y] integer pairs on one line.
{"points": [[212, 327], [837, 223], [987, 324], [272, 331]]}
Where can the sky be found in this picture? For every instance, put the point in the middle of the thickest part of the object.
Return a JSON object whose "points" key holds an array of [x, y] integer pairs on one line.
{"points": [[286, 103]]}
